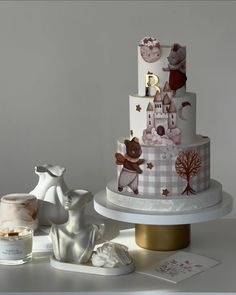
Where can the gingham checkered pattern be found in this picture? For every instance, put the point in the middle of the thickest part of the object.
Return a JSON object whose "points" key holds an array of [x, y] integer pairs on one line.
{"points": [[163, 174]]}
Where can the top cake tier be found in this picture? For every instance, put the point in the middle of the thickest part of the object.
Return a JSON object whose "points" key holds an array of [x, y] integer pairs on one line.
{"points": [[160, 67], [162, 113]]}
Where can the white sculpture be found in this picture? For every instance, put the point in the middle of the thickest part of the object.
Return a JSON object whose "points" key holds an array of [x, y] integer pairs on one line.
{"points": [[111, 255], [50, 204], [74, 241]]}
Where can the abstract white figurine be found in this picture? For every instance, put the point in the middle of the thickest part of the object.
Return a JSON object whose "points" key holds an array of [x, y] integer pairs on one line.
{"points": [[50, 203], [111, 255], [74, 241]]}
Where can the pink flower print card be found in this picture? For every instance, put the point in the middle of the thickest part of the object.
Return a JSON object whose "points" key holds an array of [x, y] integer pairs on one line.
{"points": [[180, 266]]}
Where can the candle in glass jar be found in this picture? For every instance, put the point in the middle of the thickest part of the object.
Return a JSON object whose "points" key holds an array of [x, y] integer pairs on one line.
{"points": [[15, 245]]}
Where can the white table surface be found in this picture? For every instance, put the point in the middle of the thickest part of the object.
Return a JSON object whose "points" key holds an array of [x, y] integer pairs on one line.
{"points": [[216, 239]]}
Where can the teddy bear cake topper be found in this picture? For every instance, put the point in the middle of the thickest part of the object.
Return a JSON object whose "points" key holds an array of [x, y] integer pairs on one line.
{"points": [[177, 67], [131, 162]]}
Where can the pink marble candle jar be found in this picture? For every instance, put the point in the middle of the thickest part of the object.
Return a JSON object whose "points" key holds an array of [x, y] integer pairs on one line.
{"points": [[19, 210]]}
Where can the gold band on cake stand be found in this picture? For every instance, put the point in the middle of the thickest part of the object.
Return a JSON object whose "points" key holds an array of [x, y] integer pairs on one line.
{"points": [[163, 237]]}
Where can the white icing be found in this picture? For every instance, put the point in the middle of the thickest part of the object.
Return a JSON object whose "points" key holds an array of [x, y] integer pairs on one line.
{"points": [[155, 68], [205, 199], [185, 118]]}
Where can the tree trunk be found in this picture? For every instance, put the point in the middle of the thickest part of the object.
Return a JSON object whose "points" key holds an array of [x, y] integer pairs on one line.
{"points": [[188, 189]]}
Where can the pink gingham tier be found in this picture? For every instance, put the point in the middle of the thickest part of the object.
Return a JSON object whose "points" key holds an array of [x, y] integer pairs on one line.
{"points": [[159, 172]]}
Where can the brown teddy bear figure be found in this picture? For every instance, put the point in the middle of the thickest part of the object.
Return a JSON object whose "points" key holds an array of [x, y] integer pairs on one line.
{"points": [[177, 67], [130, 161]]}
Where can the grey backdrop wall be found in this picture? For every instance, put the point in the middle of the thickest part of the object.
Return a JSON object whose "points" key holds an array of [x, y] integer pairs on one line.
{"points": [[67, 68]]}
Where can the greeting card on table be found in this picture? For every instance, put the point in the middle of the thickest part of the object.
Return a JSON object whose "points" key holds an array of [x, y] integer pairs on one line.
{"points": [[180, 266]]}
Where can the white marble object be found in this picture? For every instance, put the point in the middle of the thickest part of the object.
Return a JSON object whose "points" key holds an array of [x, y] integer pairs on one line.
{"points": [[50, 203], [74, 241], [90, 269], [19, 209], [109, 259], [111, 255]]}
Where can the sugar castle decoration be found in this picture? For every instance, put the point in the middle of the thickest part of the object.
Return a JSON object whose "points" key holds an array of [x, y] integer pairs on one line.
{"points": [[161, 116]]}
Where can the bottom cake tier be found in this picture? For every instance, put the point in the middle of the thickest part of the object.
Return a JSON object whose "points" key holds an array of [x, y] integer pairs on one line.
{"points": [[166, 170], [204, 199]]}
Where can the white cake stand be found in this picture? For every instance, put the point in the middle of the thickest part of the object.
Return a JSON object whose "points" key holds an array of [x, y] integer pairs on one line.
{"points": [[162, 231]]}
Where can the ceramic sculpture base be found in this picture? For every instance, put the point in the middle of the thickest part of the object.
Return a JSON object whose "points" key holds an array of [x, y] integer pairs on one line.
{"points": [[162, 231], [90, 269]]}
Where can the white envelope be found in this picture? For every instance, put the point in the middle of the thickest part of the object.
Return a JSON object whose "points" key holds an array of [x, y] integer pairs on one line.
{"points": [[180, 266]]}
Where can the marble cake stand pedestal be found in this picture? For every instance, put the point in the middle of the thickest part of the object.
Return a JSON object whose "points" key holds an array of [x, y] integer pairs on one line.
{"points": [[162, 231]]}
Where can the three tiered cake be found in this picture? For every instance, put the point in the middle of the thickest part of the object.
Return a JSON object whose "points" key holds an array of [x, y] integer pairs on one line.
{"points": [[164, 166]]}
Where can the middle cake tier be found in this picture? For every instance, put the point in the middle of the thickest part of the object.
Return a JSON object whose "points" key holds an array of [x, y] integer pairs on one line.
{"points": [[163, 119], [171, 170]]}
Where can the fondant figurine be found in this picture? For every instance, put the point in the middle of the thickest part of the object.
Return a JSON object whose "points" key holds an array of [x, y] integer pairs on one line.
{"points": [[177, 67], [131, 162], [74, 241], [50, 204]]}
